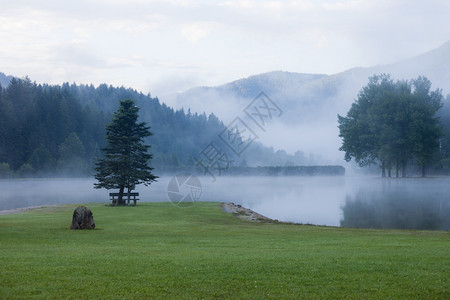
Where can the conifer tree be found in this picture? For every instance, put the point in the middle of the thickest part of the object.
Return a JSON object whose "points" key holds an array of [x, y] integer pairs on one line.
{"points": [[125, 161]]}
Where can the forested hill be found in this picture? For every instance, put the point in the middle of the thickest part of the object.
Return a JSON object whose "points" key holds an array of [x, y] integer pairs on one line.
{"points": [[48, 130], [310, 102]]}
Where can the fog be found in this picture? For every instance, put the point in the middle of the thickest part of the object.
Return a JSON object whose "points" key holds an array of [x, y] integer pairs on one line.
{"points": [[309, 103], [366, 202]]}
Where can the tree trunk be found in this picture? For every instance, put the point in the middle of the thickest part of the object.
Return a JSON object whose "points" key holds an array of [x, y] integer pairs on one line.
{"points": [[383, 170], [120, 200], [404, 170], [389, 172], [423, 170], [396, 170]]}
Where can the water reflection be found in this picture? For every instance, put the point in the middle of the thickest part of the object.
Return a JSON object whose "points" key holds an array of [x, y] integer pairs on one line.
{"points": [[395, 210], [412, 203]]}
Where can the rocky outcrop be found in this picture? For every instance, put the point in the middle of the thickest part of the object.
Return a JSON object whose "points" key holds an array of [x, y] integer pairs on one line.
{"points": [[245, 213]]}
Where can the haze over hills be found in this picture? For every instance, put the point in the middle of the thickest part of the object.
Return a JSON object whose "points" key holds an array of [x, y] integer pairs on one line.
{"points": [[310, 102]]}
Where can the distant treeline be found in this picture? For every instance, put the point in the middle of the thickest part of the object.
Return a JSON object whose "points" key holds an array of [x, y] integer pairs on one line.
{"points": [[287, 171], [59, 130], [47, 129]]}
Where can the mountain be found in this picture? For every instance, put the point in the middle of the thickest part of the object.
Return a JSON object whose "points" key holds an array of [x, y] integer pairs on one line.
{"points": [[303, 110], [309, 102], [434, 64]]}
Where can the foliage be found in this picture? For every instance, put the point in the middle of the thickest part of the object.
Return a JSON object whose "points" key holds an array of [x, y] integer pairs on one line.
{"points": [[126, 160], [444, 118], [71, 153], [393, 123], [160, 251], [38, 122], [44, 129], [5, 171]]}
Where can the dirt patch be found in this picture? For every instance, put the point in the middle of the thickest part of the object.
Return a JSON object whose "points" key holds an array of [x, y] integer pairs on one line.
{"points": [[245, 213]]}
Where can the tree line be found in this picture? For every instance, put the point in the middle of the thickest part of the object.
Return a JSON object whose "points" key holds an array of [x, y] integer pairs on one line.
{"points": [[397, 124], [58, 130]]}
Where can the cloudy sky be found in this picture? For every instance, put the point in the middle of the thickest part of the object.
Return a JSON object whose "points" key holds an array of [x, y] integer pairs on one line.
{"points": [[168, 46]]}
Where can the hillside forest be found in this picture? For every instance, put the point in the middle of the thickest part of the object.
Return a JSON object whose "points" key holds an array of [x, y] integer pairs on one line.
{"points": [[59, 130]]}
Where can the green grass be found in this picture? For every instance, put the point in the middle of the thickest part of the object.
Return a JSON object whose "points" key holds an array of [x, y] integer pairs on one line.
{"points": [[158, 250]]}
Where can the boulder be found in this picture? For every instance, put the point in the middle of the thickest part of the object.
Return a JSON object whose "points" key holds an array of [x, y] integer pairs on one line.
{"points": [[82, 218]]}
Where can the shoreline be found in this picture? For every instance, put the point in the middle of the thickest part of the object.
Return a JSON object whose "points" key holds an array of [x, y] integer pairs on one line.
{"points": [[237, 210], [21, 209], [244, 213]]}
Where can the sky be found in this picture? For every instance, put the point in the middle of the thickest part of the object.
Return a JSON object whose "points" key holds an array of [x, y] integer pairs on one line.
{"points": [[163, 47]]}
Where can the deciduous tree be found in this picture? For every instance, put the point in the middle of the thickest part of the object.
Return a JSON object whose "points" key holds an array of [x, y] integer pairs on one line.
{"points": [[391, 123]]}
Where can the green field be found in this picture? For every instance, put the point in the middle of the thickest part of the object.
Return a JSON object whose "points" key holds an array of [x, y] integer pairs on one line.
{"points": [[158, 250]]}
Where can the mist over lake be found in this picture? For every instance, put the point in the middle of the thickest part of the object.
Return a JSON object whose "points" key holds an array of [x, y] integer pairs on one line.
{"points": [[363, 202]]}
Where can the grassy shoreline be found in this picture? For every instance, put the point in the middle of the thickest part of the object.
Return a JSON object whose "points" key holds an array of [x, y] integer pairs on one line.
{"points": [[158, 250]]}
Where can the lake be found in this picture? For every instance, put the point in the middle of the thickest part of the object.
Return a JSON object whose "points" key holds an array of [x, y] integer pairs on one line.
{"points": [[363, 202]]}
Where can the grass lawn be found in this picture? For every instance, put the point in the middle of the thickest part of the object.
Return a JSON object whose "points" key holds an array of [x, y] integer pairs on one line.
{"points": [[158, 250]]}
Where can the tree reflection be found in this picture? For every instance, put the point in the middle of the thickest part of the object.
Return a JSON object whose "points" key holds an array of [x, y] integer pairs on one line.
{"points": [[396, 210]]}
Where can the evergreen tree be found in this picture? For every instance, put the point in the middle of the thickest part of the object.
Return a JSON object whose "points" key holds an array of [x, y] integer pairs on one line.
{"points": [[41, 159], [125, 162], [71, 153], [5, 171]]}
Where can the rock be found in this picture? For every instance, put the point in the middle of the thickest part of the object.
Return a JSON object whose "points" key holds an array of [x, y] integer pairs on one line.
{"points": [[244, 213], [82, 218]]}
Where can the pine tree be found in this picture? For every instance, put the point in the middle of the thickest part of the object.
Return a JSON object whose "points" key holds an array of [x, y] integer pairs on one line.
{"points": [[125, 161]]}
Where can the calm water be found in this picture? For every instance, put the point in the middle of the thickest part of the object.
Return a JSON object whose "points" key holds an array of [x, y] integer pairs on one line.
{"points": [[334, 201]]}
